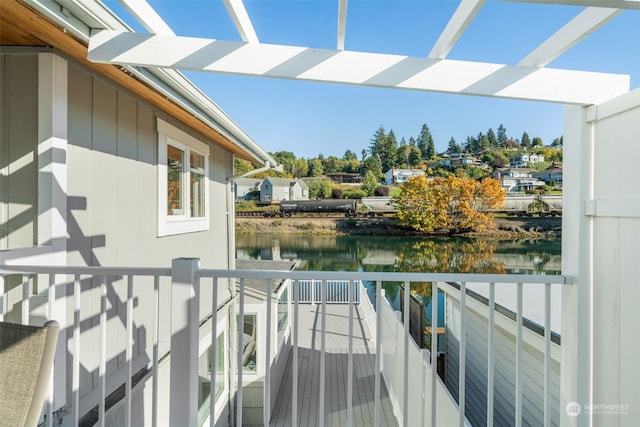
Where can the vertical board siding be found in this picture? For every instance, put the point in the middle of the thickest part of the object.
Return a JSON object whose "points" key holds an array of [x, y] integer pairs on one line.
{"points": [[112, 220], [615, 285], [19, 151], [504, 376]]}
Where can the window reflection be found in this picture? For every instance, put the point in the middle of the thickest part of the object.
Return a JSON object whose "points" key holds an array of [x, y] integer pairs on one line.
{"points": [[249, 347], [175, 166]]}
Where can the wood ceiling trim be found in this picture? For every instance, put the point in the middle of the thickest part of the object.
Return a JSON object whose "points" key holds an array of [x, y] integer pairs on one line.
{"points": [[23, 26]]}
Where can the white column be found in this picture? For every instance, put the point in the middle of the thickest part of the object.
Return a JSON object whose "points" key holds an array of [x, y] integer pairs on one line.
{"points": [[52, 195], [185, 295], [577, 249], [52, 152]]}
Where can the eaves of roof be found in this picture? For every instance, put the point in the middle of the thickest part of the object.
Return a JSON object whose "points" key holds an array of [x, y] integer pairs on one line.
{"points": [[66, 26]]}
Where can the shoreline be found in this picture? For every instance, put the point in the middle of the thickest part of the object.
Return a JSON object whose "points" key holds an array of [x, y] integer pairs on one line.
{"points": [[503, 228]]}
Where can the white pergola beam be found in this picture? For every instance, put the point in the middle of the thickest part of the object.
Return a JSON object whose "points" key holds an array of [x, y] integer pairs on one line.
{"points": [[616, 4], [585, 23], [147, 16], [342, 23], [241, 20], [462, 17], [359, 68]]}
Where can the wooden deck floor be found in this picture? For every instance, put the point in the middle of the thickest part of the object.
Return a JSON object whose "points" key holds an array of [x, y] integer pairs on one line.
{"points": [[336, 359]]}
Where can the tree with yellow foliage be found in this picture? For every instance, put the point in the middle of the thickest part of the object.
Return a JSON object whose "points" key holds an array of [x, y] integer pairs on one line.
{"points": [[451, 204]]}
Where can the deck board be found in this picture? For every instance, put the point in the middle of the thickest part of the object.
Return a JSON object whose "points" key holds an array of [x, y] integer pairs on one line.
{"points": [[336, 374]]}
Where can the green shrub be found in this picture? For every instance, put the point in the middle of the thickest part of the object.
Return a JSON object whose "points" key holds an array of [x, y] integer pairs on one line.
{"points": [[354, 194]]}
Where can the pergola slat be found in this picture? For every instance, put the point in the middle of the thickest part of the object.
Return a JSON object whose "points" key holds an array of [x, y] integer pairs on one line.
{"points": [[568, 36], [361, 68], [462, 17]]}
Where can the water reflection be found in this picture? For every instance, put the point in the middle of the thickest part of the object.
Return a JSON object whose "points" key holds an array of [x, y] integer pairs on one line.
{"points": [[405, 254], [390, 253]]}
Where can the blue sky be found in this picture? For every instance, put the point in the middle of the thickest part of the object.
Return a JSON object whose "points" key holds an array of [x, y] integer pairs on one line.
{"points": [[310, 118]]}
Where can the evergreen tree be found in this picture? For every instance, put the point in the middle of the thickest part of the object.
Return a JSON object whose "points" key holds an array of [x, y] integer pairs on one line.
{"points": [[491, 137], [332, 164], [349, 155], [390, 152], [425, 143], [483, 142], [502, 136], [470, 144], [385, 147], [453, 146], [415, 156], [525, 142], [412, 141]]}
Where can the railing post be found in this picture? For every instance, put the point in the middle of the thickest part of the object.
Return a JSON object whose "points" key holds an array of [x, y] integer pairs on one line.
{"points": [[185, 295]]}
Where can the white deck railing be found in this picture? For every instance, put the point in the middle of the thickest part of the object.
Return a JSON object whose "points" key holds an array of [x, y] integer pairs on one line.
{"points": [[61, 289], [337, 291]]}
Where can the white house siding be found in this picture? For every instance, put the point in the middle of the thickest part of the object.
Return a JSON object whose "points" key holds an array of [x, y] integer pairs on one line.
{"points": [[18, 151], [615, 293], [504, 376], [112, 214]]}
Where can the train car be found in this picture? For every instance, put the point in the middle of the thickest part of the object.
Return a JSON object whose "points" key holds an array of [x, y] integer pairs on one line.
{"points": [[290, 207], [378, 205], [530, 205]]}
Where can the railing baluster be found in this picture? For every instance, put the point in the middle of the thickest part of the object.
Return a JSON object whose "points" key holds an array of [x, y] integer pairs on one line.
{"points": [[378, 350], [26, 292], [267, 364], [129, 350], [434, 350], [490, 351], [518, 408], [350, 360], [328, 289], [239, 354], [407, 322], [214, 351], [76, 351], [156, 332], [547, 355], [1, 297], [294, 385], [102, 370], [51, 301], [462, 353], [323, 298]]}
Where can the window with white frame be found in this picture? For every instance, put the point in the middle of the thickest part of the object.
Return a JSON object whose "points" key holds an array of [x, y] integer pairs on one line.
{"points": [[249, 343], [220, 379], [283, 313], [183, 193]]}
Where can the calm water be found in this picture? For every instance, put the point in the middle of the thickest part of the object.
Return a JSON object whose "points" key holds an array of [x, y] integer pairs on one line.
{"points": [[390, 253]]}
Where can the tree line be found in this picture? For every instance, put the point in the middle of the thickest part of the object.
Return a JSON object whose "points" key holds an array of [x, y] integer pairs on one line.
{"points": [[385, 152]]}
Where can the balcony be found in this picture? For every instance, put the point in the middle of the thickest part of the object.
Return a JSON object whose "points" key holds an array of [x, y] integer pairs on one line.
{"points": [[322, 352]]}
